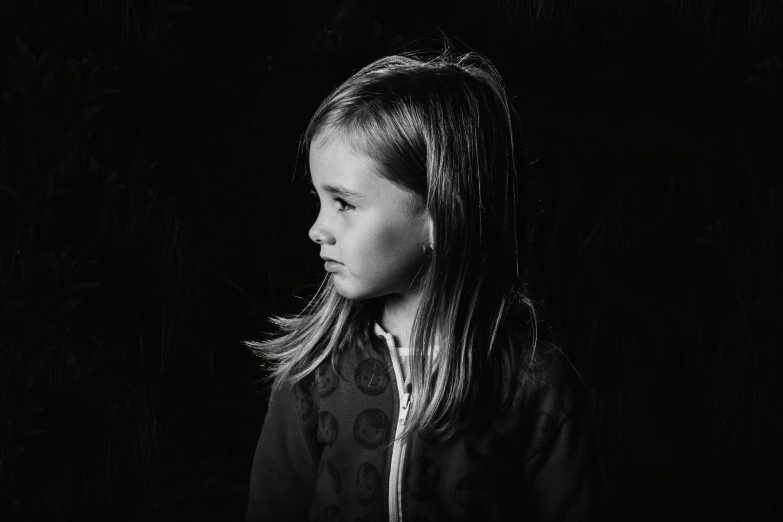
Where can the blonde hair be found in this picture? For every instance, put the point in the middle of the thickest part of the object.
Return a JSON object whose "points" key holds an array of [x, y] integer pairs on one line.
{"points": [[443, 129]]}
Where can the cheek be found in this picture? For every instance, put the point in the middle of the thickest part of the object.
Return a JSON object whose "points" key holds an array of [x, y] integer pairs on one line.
{"points": [[380, 247], [367, 247], [388, 245]]}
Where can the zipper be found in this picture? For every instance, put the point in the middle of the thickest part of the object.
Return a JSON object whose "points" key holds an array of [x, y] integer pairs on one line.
{"points": [[398, 449]]}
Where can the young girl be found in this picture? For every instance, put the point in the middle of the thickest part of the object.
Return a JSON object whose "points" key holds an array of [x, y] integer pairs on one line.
{"points": [[417, 169]]}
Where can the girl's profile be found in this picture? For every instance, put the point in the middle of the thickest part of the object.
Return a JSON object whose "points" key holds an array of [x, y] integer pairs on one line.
{"points": [[413, 386]]}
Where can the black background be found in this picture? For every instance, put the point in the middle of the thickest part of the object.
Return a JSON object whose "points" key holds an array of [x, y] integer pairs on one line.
{"points": [[154, 215]]}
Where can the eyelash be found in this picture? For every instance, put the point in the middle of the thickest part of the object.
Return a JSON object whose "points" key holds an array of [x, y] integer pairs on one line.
{"points": [[347, 206]]}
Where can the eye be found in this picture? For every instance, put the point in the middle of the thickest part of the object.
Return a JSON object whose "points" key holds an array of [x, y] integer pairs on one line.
{"points": [[344, 206]]}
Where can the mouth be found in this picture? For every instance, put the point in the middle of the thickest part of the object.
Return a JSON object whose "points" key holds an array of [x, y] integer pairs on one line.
{"points": [[331, 266]]}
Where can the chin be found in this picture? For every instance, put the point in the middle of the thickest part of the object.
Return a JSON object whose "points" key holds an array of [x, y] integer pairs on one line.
{"points": [[341, 289], [352, 293]]}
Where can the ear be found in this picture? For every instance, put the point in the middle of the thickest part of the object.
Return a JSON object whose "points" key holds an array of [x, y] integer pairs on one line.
{"points": [[430, 230]]}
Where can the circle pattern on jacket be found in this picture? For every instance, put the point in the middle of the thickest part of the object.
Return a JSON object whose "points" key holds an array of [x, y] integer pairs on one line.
{"points": [[333, 513], [304, 402], [334, 473], [327, 428], [371, 377], [371, 428], [422, 479], [326, 380], [368, 483], [471, 491]]}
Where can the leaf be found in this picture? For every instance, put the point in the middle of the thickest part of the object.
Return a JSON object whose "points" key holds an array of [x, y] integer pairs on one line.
{"points": [[88, 368], [89, 112], [8, 190], [65, 307], [76, 72], [12, 61], [18, 451], [103, 90], [27, 56], [16, 86], [31, 371], [71, 360], [13, 305], [42, 60], [207, 484], [164, 28], [49, 76], [78, 285], [53, 263], [65, 156]]}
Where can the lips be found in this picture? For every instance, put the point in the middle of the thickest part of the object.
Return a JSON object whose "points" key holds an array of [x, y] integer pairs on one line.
{"points": [[332, 266]]}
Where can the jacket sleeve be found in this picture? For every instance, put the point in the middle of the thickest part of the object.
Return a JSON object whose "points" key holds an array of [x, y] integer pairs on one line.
{"points": [[563, 479], [285, 465], [562, 473]]}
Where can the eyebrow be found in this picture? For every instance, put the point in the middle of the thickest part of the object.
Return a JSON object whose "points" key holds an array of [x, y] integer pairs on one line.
{"points": [[338, 190]]}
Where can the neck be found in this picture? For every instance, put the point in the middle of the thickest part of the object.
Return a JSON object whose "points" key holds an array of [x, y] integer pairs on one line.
{"points": [[397, 317]]}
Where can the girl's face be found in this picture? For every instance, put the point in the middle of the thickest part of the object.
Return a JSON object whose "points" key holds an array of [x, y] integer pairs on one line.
{"points": [[369, 228]]}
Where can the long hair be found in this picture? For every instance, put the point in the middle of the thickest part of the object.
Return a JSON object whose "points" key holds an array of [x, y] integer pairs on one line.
{"points": [[441, 128]]}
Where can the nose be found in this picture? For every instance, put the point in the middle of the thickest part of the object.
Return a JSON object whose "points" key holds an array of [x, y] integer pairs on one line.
{"points": [[315, 236], [317, 232]]}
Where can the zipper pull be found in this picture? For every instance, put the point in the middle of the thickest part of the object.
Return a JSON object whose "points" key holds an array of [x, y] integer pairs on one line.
{"points": [[404, 405]]}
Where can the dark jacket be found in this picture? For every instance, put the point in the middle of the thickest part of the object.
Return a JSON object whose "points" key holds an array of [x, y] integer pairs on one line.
{"points": [[320, 455]]}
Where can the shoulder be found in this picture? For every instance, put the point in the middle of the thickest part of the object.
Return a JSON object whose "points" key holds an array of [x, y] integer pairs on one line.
{"points": [[554, 403], [554, 387], [294, 404]]}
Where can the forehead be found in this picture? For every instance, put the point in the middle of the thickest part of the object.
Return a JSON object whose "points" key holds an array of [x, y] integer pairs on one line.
{"points": [[339, 168], [333, 161]]}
